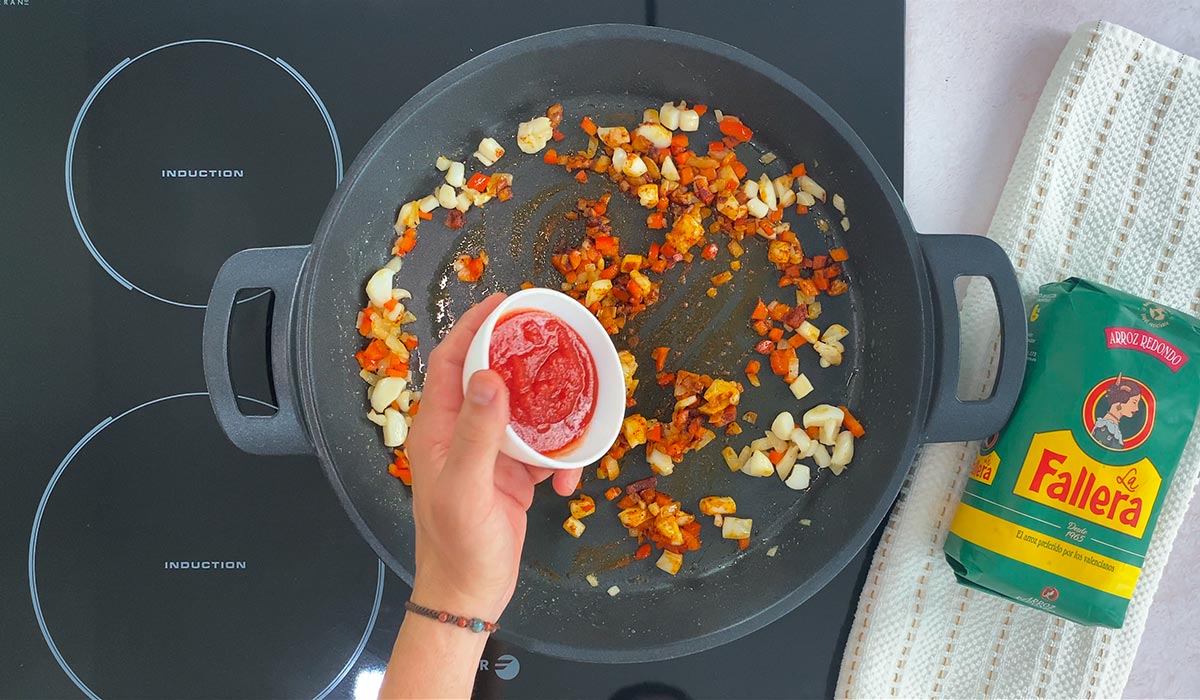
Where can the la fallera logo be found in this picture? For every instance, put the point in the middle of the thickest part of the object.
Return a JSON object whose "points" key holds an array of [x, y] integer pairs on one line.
{"points": [[1119, 413]]}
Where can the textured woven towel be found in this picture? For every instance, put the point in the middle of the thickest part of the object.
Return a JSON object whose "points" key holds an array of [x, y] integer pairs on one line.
{"points": [[1104, 187]]}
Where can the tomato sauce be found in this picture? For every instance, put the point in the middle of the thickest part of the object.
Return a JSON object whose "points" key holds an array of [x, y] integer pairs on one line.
{"points": [[551, 378]]}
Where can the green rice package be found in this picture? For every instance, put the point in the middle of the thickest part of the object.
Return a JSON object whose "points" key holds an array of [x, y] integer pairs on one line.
{"points": [[1060, 505]]}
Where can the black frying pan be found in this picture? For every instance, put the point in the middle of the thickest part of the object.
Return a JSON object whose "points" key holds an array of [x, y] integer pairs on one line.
{"points": [[900, 373]]}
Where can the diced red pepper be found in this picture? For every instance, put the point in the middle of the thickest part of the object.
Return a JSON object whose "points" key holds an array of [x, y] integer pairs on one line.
{"points": [[643, 551], [709, 252], [589, 126], [734, 128], [478, 182]]}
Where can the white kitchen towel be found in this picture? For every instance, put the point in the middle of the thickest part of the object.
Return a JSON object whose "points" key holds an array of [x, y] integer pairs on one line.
{"points": [[1104, 187]]}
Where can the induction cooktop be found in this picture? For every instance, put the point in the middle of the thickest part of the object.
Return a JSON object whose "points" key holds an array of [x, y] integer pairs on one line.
{"points": [[141, 145]]}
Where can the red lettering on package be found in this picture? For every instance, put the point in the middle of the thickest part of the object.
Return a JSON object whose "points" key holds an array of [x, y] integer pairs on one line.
{"points": [[1143, 341]]}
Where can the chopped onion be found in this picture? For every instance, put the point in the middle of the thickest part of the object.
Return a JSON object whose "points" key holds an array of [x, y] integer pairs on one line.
{"points": [[689, 120], [462, 202], [442, 163], [773, 550], [805, 199], [376, 418], [533, 135], [809, 332], [386, 391], [370, 377], [766, 192], [775, 442], [634, 167], [757, 208], [843, 448], [827, 434], [809, 185], [657, 134], [717, 505], [758, 465], [647, 194], [839, 203], [718, 115], [750, 187], [613, 591], [767, 158], [821, 456], [668, 116], [845, 223], [800, 478], [783, 425], [834, 333], [822, 413], [408, 218], [761, 445], [669, 562], [592, 580], [379, 287], [394, 265], [613, 136], [574, 526], [668, 170], [784, 468], [787, 198], [718, 519], [428, 204], [395, 430], [800, 438], [489, 151], [619, 159], [447, 197], [801, 387], [736, 528], [650, 115], [456, 174], [661, 463]]}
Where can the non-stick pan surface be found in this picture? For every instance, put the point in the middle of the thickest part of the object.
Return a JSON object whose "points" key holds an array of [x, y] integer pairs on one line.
{"points": [[612, 73]]}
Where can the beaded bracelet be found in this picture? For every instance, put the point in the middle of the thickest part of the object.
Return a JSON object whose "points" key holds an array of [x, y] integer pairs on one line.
{"points": [[472, 623]]}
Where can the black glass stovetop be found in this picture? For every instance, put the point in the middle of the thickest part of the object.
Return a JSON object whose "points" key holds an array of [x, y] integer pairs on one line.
{"points": [[144, 556]]}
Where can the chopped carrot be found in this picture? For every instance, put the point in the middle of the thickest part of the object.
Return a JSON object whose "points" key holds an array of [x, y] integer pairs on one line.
{"points": [[686, 175], [627, 502], [743, 545], [655, 433], [550, 156], [700, 109], [426, 215], [660, 357], [799, 170], [779, 362], [716, 146], [775, 456], [414, 407], [760, 311], [581, 176], [753, 366], [839, 254], [813, 432], [643, 551], [679, 141], [796, 340], [589, 126], [775, 334], [801, 209], [851, 423], [612, 493], [739, 169]]}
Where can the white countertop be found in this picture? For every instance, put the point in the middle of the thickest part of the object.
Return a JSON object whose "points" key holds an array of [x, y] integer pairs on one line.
{"points": [[974, 72]]}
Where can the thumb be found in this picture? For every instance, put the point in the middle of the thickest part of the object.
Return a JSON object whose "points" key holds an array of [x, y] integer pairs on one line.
{"points": [[478, 432]]}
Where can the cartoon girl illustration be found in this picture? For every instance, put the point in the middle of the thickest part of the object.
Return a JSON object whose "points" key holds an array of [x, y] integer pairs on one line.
{"points": [[1124, 399]]}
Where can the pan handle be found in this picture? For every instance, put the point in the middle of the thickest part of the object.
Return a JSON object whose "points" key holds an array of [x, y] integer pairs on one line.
{"points": [[947, 258], [277, 269]]}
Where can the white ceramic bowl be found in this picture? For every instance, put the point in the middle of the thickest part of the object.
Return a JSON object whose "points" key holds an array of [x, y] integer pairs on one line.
{"points": [[610, 398]]}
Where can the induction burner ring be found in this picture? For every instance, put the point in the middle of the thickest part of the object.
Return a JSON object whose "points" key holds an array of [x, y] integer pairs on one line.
{"points": [[70, 160], [32, 559]]}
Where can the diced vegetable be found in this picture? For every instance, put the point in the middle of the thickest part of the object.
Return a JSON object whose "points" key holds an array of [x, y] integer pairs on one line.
{"points": [[800, 477], [783, 425], [758, 465], [669, 562], [717, 505], [489, 151], [843, 449], [736, 528], [592, 580]]}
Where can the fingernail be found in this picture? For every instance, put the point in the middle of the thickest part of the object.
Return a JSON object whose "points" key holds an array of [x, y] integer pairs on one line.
{"points": [[481, 391]]}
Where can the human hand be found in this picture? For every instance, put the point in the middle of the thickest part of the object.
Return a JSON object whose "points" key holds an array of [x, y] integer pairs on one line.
{"points": [[469, 501]]}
